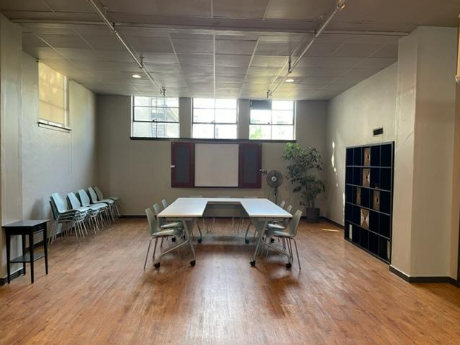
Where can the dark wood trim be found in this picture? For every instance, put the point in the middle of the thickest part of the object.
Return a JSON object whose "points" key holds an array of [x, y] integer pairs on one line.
{"points": [[191, 164], [422, 280], [14, 275], [220, 141], [242, 151]]}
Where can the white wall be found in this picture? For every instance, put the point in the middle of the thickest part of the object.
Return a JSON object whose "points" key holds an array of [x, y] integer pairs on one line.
{"points": [[138, 171], [414, 101], [52, 160], [36, 161], [351, 117]]}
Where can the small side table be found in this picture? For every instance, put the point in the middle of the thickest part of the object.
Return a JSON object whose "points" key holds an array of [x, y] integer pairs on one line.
{"points": [[26, 228]]}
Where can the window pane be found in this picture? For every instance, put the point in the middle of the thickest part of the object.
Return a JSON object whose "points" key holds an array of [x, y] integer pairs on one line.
{"points": [[168, 102], [142, 101], [225, 116], [282, 132], [203, 103], [171, 114], [261, 116], [203, 115], [143, 114], [259, 132], [155, 130], [226, 103], [203, 131], [283, 105], [226, 132], [143, 129], [167, 130], [283, 117]]}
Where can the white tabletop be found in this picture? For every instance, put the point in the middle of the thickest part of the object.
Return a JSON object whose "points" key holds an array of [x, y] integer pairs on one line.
{"points": [[195, 207]]}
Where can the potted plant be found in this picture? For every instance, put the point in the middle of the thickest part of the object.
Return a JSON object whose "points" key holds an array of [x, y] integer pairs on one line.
{"points": [[303, 165]]}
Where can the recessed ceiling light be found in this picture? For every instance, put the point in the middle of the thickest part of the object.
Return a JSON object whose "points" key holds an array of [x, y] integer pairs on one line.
{"points": [[136, 76], [289, 80]]}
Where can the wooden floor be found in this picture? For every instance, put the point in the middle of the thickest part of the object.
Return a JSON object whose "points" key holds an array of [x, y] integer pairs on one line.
{"points": [[98, 293]]}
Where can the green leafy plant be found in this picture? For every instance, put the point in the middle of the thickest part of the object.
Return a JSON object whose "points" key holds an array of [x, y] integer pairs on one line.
{"points": [[302, 167]]}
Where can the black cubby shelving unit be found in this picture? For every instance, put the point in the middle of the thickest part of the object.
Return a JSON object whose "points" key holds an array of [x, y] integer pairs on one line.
{"points": [[369, 198]]}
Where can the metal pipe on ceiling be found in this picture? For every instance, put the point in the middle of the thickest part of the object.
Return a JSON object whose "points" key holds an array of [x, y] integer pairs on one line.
{"points": [[340, 5], [139, 61]]}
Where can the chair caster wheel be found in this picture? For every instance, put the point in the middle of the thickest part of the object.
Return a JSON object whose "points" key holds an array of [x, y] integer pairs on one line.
{"points": [[200, 240], [247, 241], [272, 240], [193, 263], [173, 239], [253, 263], [157, 265], [288, 265]]}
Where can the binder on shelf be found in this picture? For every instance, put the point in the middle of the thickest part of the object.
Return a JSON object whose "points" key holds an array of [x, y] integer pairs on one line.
{"points": [[376, 202], [364, 218], [367, 156], [366, 177], [350, 231], [358, 196]]}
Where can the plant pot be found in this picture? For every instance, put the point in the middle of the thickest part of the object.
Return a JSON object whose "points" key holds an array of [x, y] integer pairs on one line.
{"points": [[312, 215]]}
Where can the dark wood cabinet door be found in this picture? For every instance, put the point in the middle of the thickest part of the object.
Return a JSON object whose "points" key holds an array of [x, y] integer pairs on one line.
{"points": [[182, 165], [250, 165]]}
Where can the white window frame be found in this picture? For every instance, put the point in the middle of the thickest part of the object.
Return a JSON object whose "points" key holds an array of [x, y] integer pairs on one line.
{"points": [[214, 122], [271, 124]]}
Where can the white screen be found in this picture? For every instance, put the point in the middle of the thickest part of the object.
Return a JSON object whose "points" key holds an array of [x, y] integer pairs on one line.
{"points": [[216, 165]]}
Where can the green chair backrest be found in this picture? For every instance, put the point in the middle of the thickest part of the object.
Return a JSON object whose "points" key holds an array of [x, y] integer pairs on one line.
{"points": [[152, 221], [100, 196], [157, 210], [294, 223], [164, 203], [54, 212], [59, 202], [93, 195], [282, 203], [74, 202], [84, 198], [289, 208]]}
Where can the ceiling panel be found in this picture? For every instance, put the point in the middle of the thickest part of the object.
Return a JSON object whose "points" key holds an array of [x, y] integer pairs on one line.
{"points": [[240, 8], [227, 48], [235, 47], [196, 8], [193, 46]]}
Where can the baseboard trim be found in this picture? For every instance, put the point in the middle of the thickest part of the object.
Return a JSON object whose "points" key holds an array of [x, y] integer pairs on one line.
{"points": [[332, 222], [133, 216], [420, 280], [14, 275]]}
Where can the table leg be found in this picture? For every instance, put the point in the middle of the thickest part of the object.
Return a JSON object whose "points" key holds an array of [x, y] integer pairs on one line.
{"points": [[45, 241], [31, 246], [261, 230], [8, 247], [24, 252], [188, 232]]}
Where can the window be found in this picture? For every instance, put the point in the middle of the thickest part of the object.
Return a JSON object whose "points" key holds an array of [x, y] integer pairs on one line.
{"points": [[52, 96], [272, 120], [214, 118], [155, 117]]}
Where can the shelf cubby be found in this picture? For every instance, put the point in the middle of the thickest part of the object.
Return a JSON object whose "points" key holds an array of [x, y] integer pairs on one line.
{"points": [[369, 198]]}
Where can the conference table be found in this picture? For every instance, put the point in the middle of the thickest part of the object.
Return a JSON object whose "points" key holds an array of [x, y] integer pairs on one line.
{"points": [[188, 210]]}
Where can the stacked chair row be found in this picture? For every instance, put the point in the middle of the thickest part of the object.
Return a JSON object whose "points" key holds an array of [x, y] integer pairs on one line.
{"points": [[82, 210]]}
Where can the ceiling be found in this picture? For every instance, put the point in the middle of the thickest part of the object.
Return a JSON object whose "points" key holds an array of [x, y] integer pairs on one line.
{"points": [[222, 48]]}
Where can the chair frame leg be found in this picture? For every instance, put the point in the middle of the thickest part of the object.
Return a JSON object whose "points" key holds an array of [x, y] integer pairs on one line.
{"points": [[147, 255]]}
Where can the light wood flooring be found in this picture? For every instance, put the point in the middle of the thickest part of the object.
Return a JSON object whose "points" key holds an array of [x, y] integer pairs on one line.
{"points": [[98, 293]]}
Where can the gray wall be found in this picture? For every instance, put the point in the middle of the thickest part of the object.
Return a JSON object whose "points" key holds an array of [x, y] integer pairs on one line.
{"points": [[351, 118], [139, 171], [36, 161]]}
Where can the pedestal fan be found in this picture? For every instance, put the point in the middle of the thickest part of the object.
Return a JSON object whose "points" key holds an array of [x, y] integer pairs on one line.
{"points": [[274, 180]]}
